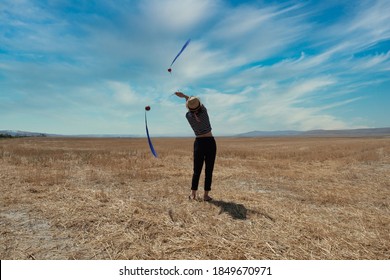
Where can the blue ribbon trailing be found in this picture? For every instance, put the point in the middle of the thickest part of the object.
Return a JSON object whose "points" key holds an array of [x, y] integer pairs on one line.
{"points": [[149, 141], [182, 49]]}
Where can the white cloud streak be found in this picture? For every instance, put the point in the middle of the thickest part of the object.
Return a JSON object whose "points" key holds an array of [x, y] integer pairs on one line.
{"points": [[257, 67]]}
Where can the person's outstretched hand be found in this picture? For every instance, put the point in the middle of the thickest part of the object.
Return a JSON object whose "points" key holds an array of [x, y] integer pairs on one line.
{"points": [[180, 94]]}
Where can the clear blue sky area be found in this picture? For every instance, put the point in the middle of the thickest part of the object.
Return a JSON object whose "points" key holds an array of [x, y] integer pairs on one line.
{"points": [[91, 67]]}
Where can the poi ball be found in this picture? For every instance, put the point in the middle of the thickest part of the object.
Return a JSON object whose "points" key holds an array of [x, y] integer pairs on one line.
{"points": [[147, 108], [169, 70]]}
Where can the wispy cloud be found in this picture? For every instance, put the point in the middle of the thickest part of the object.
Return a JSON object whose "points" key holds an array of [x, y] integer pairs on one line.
{"points": [[257, 66]]}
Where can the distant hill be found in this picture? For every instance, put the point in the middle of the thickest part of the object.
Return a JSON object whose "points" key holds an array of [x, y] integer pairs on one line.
{"points": [[257, 133], [345, 132], [278, 133], [18, 133]]}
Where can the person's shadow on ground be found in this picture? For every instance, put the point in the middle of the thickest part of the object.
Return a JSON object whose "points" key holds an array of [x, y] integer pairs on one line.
{"points": [[236, 211]]}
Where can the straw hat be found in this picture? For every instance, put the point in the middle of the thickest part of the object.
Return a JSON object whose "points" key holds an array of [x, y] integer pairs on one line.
{"points": [[193, 103]]}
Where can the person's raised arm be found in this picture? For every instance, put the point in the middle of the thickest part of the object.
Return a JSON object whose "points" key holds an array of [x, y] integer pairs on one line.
{"points": [[181, 95]]}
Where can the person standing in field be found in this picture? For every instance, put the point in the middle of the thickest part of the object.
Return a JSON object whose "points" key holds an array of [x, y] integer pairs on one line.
{"points": [[205, 148]]}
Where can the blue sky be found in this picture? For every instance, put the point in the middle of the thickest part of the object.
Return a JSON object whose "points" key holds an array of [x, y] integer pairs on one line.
{"points": [[90, 67]]}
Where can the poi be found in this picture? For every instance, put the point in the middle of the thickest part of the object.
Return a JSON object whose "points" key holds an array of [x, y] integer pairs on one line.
{"points": [[147, 108], [182, 49]]}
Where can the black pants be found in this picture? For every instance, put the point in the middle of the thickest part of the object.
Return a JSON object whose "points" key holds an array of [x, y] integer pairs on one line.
{"points": [[205, 151]]}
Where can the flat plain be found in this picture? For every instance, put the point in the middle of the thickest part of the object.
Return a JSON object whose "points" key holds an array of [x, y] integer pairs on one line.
{"points": [[274, 198]]}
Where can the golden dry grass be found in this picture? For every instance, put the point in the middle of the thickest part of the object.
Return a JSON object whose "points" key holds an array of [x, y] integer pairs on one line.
{"points": [[283, 198]]}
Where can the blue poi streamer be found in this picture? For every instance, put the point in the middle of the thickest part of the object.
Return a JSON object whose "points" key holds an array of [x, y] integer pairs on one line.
{"points": [[149, 141], [182, 49]]}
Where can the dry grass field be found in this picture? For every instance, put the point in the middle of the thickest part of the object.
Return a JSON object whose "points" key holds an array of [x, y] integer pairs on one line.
{"points": [[274, 198]]}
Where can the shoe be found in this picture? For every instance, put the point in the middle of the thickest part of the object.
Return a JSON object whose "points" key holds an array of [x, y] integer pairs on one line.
{"points": [[207, 198]]}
